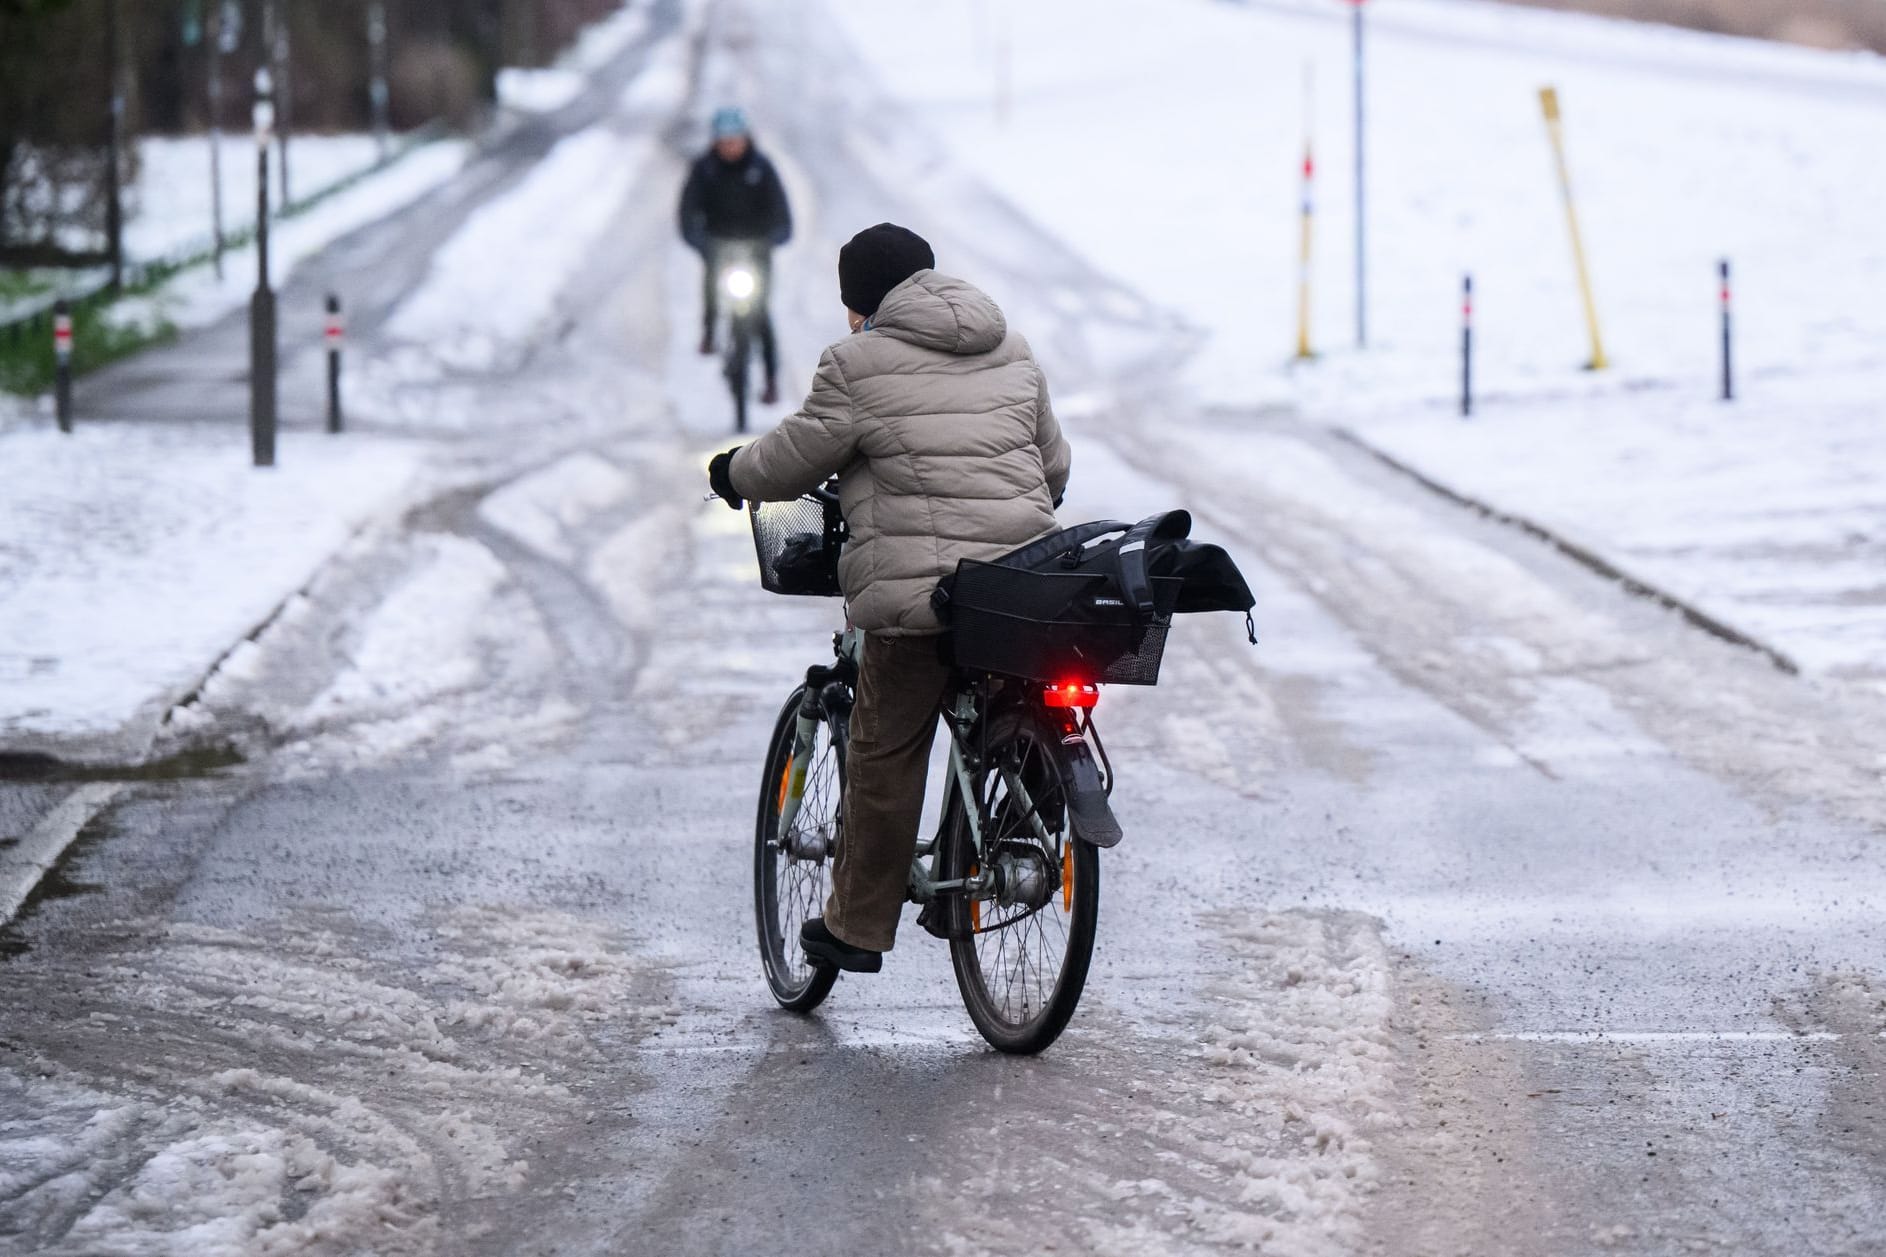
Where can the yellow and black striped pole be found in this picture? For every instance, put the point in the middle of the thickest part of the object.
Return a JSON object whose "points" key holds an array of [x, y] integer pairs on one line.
{"points": [[1549, 101]]}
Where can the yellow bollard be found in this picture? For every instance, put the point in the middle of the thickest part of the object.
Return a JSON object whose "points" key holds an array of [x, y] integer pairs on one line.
{"points": [[1549, 101]]}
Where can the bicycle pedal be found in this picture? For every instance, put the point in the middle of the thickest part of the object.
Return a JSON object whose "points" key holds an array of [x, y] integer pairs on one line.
{"points": [[935, 919]]}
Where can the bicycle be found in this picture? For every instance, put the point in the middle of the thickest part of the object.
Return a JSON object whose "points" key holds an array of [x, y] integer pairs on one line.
{"points": [[1011, 875], [742, 271]]}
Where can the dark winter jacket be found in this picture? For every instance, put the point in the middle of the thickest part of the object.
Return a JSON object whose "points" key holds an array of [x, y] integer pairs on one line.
{"points": [[738, 200]]}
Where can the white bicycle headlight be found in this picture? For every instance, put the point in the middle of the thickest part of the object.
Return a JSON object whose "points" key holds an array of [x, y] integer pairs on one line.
{"points": [[740, 284]]}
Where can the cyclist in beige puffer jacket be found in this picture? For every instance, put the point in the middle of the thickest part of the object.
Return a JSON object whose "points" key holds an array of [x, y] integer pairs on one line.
{"points": [[935, 418]]}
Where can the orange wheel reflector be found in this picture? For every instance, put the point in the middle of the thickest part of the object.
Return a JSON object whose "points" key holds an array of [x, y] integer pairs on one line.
{"points": [[1067, 875], [784, 778], [975, 907]]}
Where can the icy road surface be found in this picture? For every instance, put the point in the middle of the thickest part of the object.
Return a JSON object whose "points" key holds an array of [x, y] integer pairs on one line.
{"points": [[1482, 909]]}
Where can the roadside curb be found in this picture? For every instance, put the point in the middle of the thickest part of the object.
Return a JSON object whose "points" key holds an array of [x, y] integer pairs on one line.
{"points": [[23, 868], [1582, 555]]}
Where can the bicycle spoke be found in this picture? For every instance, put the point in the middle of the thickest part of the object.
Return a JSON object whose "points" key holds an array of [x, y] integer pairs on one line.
{"points": [[1020, 954], [798, 884]]}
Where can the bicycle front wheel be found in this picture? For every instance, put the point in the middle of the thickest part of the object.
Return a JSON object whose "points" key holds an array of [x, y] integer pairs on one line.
{"points": [[792, 871], [1021, 955], [739, 355]]}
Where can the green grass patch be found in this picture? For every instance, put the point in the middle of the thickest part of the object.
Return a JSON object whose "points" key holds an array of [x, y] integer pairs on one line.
{"points": [[15, 285], [26, 359], [27, 365]]}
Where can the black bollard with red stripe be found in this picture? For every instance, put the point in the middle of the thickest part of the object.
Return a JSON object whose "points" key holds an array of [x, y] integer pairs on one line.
{"points": [[334, 333], [62, 363], [1466, 346], [1728, 376]]}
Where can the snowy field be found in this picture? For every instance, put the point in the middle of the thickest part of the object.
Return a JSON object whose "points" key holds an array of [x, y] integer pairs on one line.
{"points": [[550, 88], [170, 204], [137, 555], [1166, 142], [197, 298], [1166, 146]]}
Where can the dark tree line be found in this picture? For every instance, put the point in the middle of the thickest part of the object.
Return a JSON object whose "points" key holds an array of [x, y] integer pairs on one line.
{"points": [[56, 83]]}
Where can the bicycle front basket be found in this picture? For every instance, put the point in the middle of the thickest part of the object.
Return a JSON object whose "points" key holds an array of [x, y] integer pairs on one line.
{"points": [[798, 544], [1056, 626]]}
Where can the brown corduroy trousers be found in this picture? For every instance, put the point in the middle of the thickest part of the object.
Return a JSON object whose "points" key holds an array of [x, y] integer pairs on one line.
{"points": [[901, 687]]}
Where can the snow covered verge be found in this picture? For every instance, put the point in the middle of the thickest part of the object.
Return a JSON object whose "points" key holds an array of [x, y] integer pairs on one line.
{"points": [[196, 298], [134, 556], [549, 89], [1767, 514], [170, 215]]}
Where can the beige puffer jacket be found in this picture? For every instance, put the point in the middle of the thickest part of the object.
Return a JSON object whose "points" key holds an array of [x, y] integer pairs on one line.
{"points": [[936, 421]]}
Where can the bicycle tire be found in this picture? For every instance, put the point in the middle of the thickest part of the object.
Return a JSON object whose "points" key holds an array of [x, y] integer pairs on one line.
{"points": [[797, 985], [979, 948], [738, 368]]}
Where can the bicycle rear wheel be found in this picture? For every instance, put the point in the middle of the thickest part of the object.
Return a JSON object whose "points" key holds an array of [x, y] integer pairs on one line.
{"points": [[1021, 958], [792, 872]]}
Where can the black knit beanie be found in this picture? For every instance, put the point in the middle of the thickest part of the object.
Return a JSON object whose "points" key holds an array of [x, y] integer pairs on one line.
{"points": [[875, 261]]}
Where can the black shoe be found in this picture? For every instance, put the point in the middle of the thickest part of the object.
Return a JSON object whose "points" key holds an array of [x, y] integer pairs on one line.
{"points": [[707, 342], [769, 396], [822, 947]]}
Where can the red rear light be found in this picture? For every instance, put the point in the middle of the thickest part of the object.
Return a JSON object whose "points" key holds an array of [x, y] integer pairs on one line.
{"points": [[1070, 694]]}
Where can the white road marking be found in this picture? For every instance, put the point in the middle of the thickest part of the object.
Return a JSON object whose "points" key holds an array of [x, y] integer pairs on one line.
{"points": [[22, 867], [1650, 1036]]}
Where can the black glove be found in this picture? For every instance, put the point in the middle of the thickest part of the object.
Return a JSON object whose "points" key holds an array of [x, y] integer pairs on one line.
{"points": [[720, 478], [1059, 498]]}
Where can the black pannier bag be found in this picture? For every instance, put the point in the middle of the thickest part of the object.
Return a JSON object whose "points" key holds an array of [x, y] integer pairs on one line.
{"points": [[798, 544], [1089, 603]]}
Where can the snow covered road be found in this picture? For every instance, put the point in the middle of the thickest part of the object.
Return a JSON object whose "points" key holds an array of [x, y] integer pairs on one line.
{"points": [[1484, 908]]}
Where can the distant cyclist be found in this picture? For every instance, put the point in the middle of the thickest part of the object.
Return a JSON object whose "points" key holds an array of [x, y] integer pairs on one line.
{"points": [[734, 196], [935, 418]]}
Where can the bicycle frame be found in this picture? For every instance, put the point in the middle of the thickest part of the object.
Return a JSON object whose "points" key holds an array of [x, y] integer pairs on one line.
{"points": [[961, 718]]}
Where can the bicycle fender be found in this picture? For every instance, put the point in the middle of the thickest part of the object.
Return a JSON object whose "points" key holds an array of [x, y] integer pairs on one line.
{"points": [[1087, 807]]}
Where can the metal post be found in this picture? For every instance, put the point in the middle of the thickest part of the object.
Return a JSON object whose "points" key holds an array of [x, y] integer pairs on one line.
{"points": [[215, 41], [62, 362], [284, 97], [376, 43], [1549, 102], [262, 304], [1308, 216], [1728, 376], [1466, 346], [336, 333], [114, 139], [1362, 247]]}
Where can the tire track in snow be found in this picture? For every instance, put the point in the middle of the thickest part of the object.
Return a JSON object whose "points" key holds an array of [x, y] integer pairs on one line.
{"points": [[324, 1090], [1259, 1133]]}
